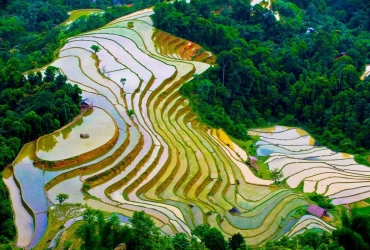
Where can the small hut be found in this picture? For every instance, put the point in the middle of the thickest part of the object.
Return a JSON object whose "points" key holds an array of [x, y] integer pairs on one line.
{"points": [[253, 163], [340, 55], [87, 104], [253, 160], [235, 211], [84, 135], [316, 210]]}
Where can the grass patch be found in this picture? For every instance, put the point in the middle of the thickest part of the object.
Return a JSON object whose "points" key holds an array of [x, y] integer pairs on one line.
{"points": [[264, 171], [250, 148], [125, 196], [360, 208], [363, 159], [68, 237], [298, 189], [59, 215]]}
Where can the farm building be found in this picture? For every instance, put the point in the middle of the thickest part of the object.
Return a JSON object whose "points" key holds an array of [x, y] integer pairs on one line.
{"points": [[315, 210], [235, 210], [87, 103], [252, 159], [84, 135]]}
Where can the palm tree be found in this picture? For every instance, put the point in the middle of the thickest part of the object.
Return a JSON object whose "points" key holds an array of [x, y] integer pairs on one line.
{"points": [[276, 175]]}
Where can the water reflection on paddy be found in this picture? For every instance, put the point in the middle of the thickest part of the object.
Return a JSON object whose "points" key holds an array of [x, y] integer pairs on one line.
{"points": [[107, 106], [67, 143], [22, 217], [30, 179]]}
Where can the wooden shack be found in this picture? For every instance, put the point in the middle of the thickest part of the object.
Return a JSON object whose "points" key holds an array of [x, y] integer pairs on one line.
{"points": [[317, 211], [87, 104]]}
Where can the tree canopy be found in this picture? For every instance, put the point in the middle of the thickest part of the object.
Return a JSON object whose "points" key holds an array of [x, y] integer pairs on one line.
{"points": [[289, 71], [32, 106]]}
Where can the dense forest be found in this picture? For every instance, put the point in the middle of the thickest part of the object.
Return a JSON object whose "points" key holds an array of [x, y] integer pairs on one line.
{"points": [[33, 106], [96, 232], [290, 72], [30, 30]]}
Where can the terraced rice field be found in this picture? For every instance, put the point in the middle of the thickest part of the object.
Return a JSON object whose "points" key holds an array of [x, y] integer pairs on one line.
{"points": [[161, 159], [321, 170], [56, 146]]}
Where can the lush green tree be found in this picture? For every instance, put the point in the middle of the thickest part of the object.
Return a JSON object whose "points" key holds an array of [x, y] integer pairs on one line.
{"points": [[322, 201], [144, 229], [276, 174], [180, 242], [62, 197], [7, 229], [88, 232], [361, 225], [272, 71], [95, 48], [236, 241], [212, 237], [350, 239]]}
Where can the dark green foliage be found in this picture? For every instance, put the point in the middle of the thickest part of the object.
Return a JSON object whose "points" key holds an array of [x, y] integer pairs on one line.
{"points": [[34, 106], [212, 237], [62, 197], [350, 239], [321, 200], [346, 221], [363, 159], [235, 241], [7, 229], [180, 242], [30, 30], [276, 174], [272, 71], [355, 232], [99, 233], [361, 225], [309, 240], [145, 230]]}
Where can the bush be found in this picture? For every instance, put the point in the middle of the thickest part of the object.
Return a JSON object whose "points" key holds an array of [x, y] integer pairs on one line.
{"points": [[321, 201]]}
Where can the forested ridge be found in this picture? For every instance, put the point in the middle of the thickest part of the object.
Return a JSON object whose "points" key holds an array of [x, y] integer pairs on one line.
{"points": [[31, 30], [289, 72]]}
